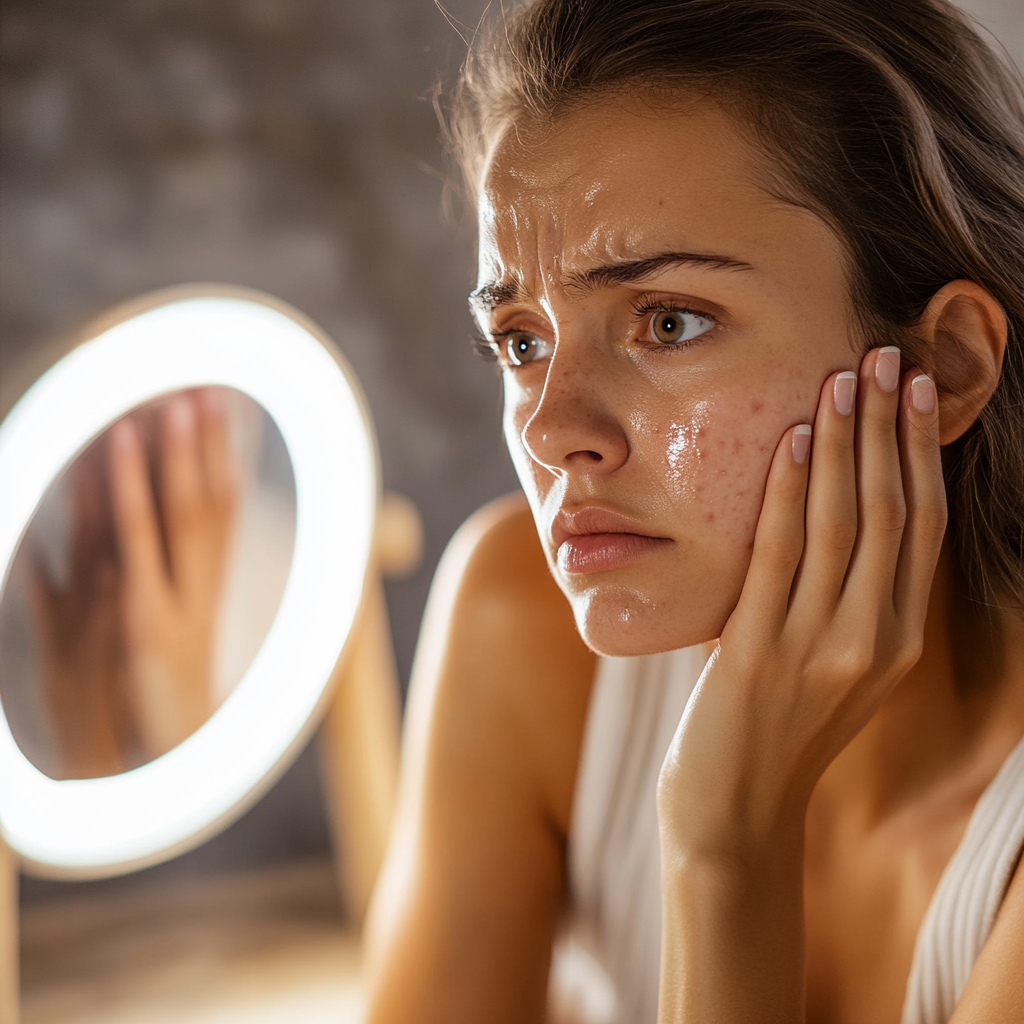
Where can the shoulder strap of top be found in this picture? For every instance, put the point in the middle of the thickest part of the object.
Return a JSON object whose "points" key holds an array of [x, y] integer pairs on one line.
{"points": [[967, 899]]}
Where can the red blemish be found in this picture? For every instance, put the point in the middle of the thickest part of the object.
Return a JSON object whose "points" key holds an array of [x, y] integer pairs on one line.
{"points": [[756, 407]]}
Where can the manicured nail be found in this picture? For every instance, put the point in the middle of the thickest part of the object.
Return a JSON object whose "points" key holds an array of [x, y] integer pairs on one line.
{"points": [[887, 368], [801, 443], [844, 391], [212, 400], [922, 394], [122, 435], [181, 415]]}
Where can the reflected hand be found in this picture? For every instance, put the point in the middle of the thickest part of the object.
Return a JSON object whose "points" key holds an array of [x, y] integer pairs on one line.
{"points": [[79, 629], [172, 540]]}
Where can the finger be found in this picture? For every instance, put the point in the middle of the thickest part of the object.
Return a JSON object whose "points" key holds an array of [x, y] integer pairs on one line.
{"points": [[925, 490], [184, 501], [831, 499], [135, 521], [213, 420], [88, 481], [779, 539], [44, 598], [881, 508]]}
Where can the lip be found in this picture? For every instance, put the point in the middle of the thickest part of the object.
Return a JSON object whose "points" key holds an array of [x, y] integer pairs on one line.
{"points": [[597, 540]]}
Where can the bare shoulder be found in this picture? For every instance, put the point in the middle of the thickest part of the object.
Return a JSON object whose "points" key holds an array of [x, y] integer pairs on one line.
{"points": [[467, 907], [500, 651], [501, 567]]}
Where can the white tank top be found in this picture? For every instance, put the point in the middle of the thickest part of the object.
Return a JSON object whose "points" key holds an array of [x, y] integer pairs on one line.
{"points": [[606, 966]]}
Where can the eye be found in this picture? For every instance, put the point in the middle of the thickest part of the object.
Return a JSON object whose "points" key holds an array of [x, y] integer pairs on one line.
{"points": [[678, 326], [521, 348]]}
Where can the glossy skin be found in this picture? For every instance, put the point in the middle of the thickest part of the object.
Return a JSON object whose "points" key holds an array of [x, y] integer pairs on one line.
{"points": [[806, 812], [676, 439]]}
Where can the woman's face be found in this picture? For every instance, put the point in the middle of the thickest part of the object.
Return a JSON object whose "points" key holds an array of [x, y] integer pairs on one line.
{"points": [[661, 320]]}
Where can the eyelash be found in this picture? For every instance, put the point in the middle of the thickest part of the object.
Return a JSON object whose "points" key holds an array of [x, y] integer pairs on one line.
{"points": [[484, 347], [648, 305], [488, 347]]}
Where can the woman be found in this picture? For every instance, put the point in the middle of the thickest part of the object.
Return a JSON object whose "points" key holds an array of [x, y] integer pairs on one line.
{"points": [[751, 270]]}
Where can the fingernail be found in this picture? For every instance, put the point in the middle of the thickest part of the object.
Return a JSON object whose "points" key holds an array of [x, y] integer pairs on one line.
{"points": [[213, 401], [801, 443], [922, 394], [121, 435], [887, 368], [844, 391], [181, 415]]}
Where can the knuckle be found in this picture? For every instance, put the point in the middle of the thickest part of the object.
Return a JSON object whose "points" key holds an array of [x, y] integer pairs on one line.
{"points": [[839, 445], [888, 512], [856, 659], [782, 551], [908, 643], [908, 655], [838, 532]]}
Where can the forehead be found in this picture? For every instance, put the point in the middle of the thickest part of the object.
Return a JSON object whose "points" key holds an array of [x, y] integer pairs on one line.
{"points": [[619, 177]]}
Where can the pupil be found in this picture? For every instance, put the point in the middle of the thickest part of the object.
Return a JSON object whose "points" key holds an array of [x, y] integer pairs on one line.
{"points": [[669, 325]]}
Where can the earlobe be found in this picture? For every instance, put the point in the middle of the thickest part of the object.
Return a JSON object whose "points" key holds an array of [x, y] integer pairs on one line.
{"points": [[964, 329]]}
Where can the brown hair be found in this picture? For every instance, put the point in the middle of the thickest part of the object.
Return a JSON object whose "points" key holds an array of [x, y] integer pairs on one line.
{"points": [[895, 122]]}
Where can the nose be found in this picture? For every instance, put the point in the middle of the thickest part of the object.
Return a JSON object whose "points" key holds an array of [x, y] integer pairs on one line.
{"points": [[575, 428]]}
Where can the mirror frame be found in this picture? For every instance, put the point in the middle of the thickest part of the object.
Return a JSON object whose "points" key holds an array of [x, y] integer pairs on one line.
{"points": [[181, 338]]}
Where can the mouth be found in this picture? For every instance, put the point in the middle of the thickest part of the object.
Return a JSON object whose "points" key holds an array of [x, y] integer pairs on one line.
{"points": [[597, 540]]}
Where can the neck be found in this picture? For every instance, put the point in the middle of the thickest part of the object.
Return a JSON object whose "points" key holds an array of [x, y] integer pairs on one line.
{"points": [[948, 724]]}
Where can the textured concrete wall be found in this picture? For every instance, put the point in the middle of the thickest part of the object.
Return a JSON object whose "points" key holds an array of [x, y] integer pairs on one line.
{"points": [[285, 145]]}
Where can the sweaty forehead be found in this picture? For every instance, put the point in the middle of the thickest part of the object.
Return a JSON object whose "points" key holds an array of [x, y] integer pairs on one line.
{"points": [[614, 177]]}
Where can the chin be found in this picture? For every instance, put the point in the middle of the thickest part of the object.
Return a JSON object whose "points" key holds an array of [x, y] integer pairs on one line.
{"points": [[621, 622]]}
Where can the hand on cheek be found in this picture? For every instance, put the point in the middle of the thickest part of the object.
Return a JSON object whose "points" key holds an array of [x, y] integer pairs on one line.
{"points": [[831, 615]]}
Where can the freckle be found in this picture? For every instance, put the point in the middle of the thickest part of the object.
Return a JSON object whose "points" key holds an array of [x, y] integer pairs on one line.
{"points": [[709, 517]]}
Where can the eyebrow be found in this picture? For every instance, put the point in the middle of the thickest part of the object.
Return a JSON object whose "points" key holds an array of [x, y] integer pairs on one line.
{"points": [[489, 297]]}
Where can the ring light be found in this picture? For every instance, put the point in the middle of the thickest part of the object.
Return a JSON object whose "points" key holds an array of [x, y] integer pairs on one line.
{"points": [[89, 828]]}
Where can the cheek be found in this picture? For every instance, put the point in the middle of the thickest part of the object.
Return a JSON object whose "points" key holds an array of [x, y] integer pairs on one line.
{"points": [[714, 463]]}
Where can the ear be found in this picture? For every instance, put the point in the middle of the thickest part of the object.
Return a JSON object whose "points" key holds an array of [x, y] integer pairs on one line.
{"points": [[964, 331]]}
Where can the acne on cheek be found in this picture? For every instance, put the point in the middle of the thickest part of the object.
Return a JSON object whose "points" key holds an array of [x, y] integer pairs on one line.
{"points": [[718, 460]]}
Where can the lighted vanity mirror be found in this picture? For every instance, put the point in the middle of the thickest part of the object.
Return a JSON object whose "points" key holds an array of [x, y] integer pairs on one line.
{"points": [[188, 507]]}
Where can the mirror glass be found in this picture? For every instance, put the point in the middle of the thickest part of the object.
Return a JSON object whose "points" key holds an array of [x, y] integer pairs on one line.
{"points": [[146, 581]]}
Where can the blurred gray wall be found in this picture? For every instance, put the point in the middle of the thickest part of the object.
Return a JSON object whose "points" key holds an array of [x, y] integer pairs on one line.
{"points": [[286, 145]]}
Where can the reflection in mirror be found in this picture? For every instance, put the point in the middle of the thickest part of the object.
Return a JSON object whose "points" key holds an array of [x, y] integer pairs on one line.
{"points": [[146, 583]]}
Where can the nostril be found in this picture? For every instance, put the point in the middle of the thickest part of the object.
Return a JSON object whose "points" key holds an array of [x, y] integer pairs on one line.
{"points": [[585, 455]]}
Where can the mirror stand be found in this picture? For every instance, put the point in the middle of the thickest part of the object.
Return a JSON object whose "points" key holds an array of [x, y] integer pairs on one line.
{"points": [[176, 348], [359, 741]]}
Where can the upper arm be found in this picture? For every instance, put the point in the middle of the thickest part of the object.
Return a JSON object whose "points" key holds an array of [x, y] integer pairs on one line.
{"points": [[995, 989], [465, 913]]}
